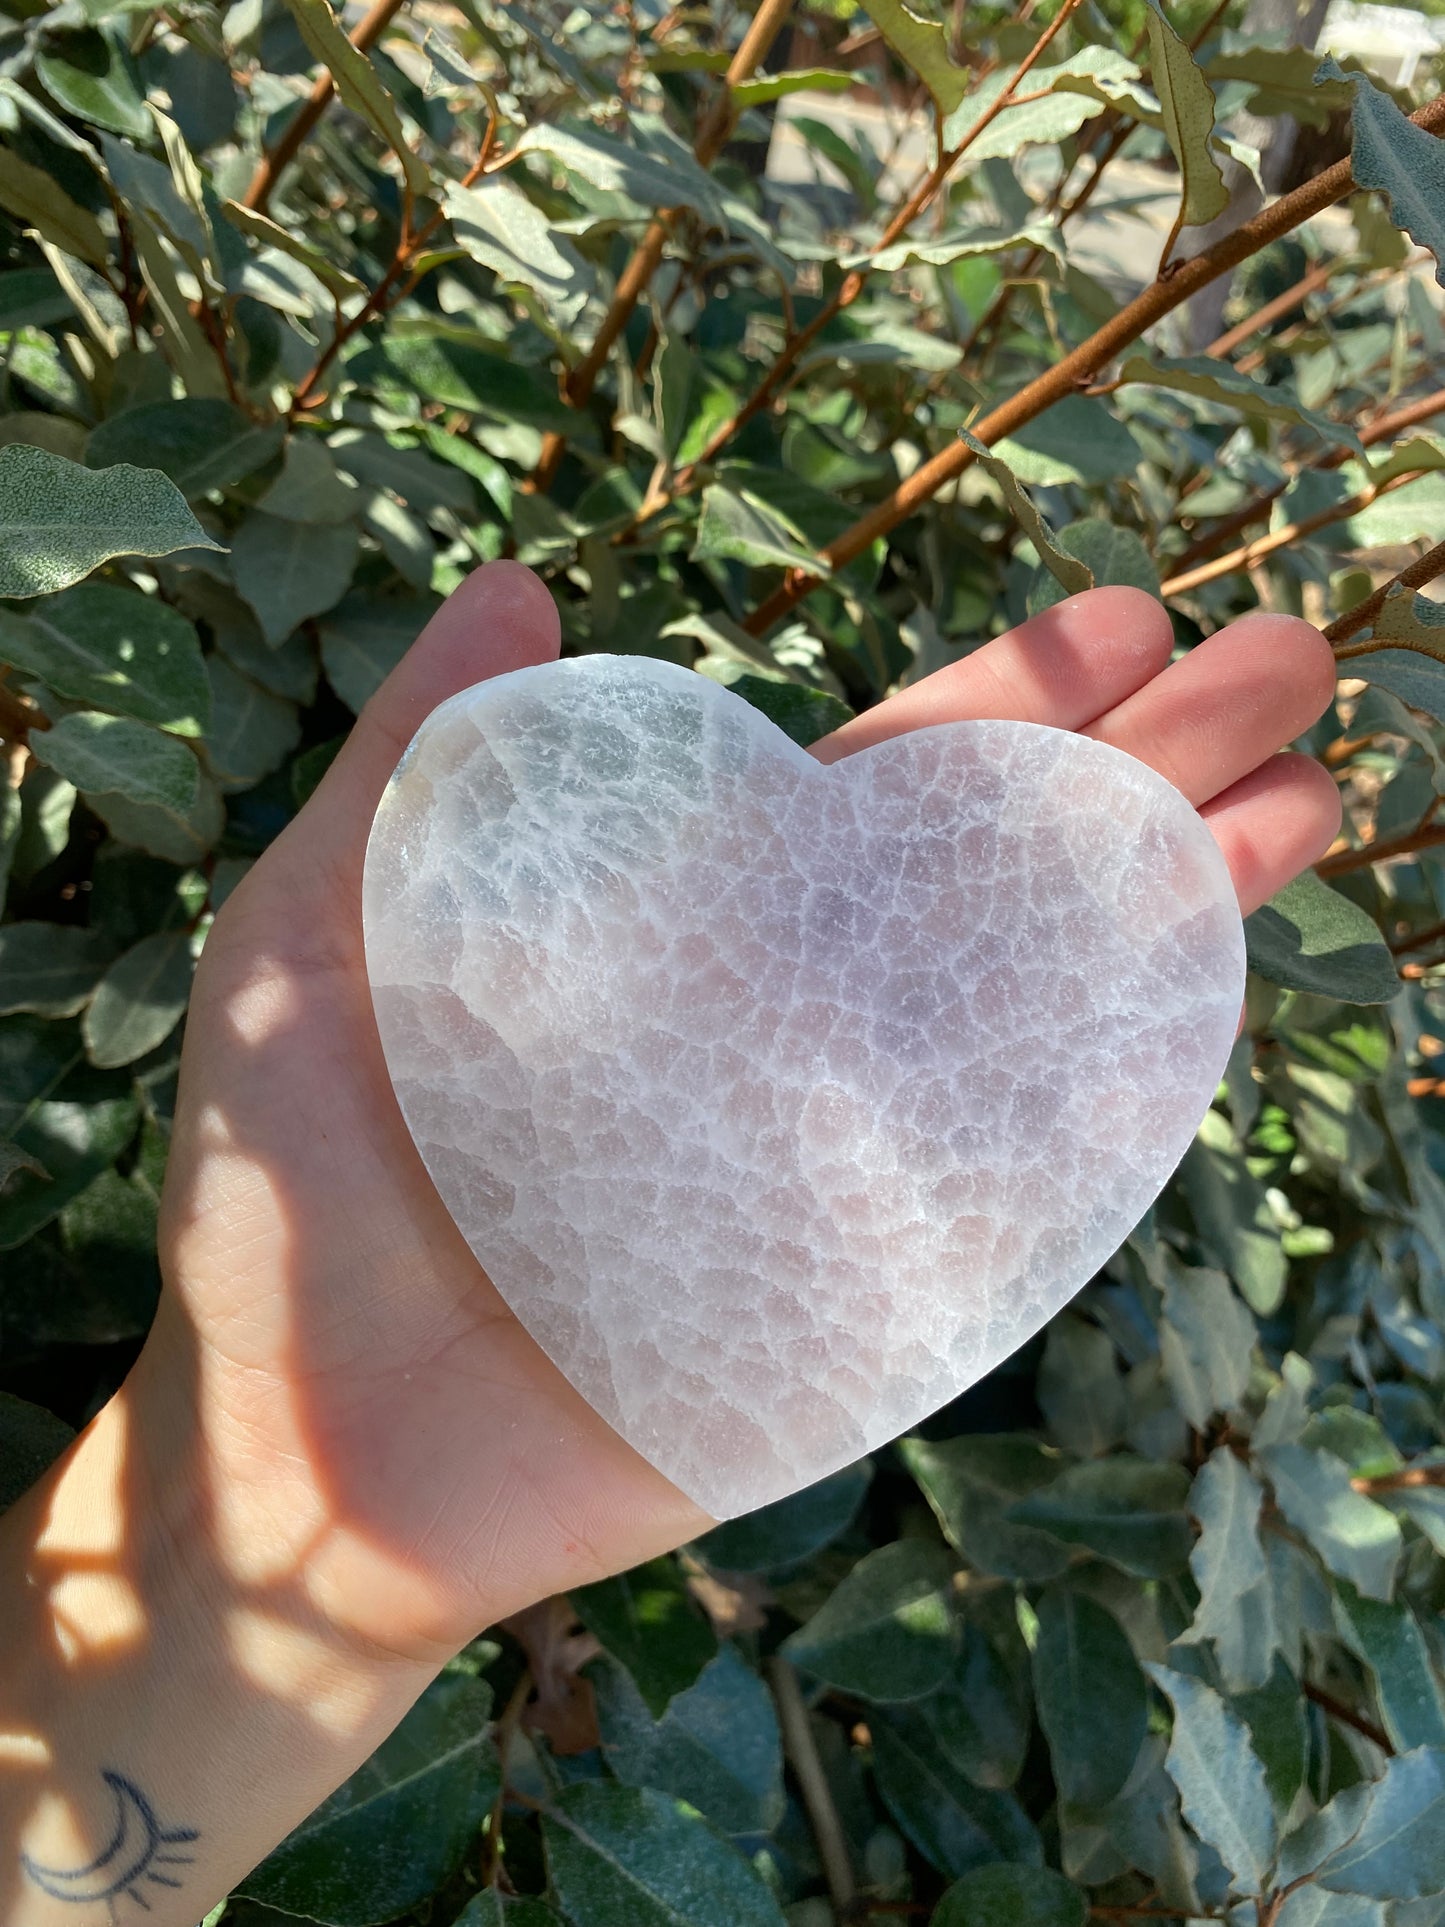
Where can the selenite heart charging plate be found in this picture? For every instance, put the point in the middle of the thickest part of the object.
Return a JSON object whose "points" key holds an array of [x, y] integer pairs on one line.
{"points": [[781, 1101]]}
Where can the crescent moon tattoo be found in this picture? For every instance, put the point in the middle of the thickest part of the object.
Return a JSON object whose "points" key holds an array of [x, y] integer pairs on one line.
{"points": [[139, 1846]]}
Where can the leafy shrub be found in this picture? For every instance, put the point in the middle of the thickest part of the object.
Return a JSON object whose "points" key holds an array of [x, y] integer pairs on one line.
{"points": [[1149, 1620]]}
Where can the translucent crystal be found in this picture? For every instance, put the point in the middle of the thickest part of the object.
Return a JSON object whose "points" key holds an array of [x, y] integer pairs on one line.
{"points": [[781, 1101]]}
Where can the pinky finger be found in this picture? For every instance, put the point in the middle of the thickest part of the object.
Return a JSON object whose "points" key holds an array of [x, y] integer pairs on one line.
{"points": [[1274, 823]]}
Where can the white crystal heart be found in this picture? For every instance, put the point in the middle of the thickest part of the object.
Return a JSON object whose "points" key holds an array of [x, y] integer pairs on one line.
{"points": [[781, 1101]]}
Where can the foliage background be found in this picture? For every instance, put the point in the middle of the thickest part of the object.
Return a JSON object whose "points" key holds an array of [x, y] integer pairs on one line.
{"points": [[1147, 1624]]}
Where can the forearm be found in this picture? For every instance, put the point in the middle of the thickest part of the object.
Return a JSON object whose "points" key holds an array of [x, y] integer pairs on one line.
{"points": [[163, 1720]]}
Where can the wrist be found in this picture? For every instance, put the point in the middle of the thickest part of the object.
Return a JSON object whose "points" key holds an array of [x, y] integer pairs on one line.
{"points": [[135, 1651]]}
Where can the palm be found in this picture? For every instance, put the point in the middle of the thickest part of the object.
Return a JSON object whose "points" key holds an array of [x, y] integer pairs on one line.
{"points": [[403, 1442]]}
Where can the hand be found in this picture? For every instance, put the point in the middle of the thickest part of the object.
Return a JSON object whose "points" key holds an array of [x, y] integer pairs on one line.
{"points": [[383, 1434]]}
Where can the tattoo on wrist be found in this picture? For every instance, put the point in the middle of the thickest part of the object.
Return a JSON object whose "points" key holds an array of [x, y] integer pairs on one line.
{"points": [[140, 1850]]}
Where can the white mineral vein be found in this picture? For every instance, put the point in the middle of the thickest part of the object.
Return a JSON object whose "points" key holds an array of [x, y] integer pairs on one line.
{"points": [[782, 1101]]}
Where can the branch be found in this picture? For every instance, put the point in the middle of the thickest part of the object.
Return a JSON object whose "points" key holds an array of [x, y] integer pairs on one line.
{"points": [[1079, 367], [1409, 1477], [394, 285], [802, 1757], [766, 25], [1428, 566], [1256, 551], [1384, 428], [853, 284], [1272, 310], [1412, 841], [1347, 1716], [263, 181]]}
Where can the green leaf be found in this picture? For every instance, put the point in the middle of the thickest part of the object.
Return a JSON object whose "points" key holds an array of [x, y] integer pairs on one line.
{"points": [[252, 731], [49, 968], [1407, 1686], [287, 571], [1236, 1599], [200, 444], [890, 1630], [1238, 393], [813, 80], [717, 1745], [953, 1824], [91, 75], [112, 753], [1128, 1510], [31, 1439], [1077, 440], [923, 46], [1079, 1387], [38, 198], [1072, 575], [1416, 678], [117, 649], [1220, 1780], [309, 488], [139, 1000], [1390, 153], [738, 526], [790, 1530], [648, 1619], [73, 1141], [619, 1853], [972, 1483], [1110, 554], [1398, 1852], [364, 638], [1233, 1218], [1001, 1896], [807, 715], [1187, 101], [358, 82], [391, 1834], [661, 174], [980, 1716], [58, 521], [481, 380], [1309, 937], [505, 231], [1206, 1342], [956, 244], [1357, 1539], [1050, 119], [1093, 1702]]}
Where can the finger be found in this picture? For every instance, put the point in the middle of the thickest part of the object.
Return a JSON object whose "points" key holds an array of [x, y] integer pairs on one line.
{"points": [[1274, 823], [501, 618], [1064, 666], [1213, 716]]}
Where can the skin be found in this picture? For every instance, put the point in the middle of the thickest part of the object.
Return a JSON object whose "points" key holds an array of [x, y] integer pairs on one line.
{"points": [[340, 1456]]}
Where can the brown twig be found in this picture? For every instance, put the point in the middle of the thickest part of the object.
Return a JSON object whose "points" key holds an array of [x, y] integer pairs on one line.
{"points": [[1410, 1477], [802, 1756], [1419, 572], [1384, 428], [1256, 551], [263, 181], [856, 280], [1342, 862], [397, 282], [1272, 310], [1347, 1716], [1077, 368], [506, 1727], [767, 23]]}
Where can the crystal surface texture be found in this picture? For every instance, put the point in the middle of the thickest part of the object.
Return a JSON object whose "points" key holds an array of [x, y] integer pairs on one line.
{"points": [[781, 1101]]}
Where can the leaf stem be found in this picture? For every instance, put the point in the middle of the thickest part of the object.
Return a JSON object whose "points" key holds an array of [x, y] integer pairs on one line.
{"points": [[802, 1756]]}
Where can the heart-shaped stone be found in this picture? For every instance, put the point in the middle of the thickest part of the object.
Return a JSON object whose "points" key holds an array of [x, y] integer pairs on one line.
{"points": [[781, 1100]]}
